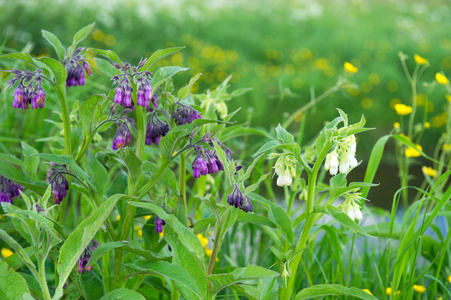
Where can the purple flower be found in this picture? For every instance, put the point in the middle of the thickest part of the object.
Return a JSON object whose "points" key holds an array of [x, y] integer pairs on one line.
{"points": [[38, 98], [122, 137], [140, 100], [236, 198], [75, 74], [87, 68], [84, 258], [18, 97], [199, 166], [119, 95], [185, 115], [148, 93], [159, 223], [156, 129], [154, 100], [58, 182], [9, 190], [247, 205], [127, 100]]}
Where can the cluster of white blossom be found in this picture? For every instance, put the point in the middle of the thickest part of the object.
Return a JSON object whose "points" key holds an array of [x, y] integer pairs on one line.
{"points": [[343, 157], [285, 168], [351, 206]]}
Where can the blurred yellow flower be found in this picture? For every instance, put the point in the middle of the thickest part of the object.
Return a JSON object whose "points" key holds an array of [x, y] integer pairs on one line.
{"points": [[396, 125], [449, 278], [404, 136], [350, 67], [420, 60], [441, 78], [208, 251], [389, 291], [161, 234], [446, 147], [203, 240], [6, 252], [147, 218], [402, 109], [429, 171], [419, 289], [118, 217], [367, 291], [448, 97], [1, 217], [411, 152], [427, 125]]}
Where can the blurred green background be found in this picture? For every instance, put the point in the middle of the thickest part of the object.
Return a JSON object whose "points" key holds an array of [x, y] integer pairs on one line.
{"points": [[297, 45]]}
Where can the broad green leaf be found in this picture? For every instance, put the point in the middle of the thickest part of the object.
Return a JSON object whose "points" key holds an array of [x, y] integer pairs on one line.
{"points": [[79, 239], [106, 67], [16, 174], [123, 294], [31, 163], [12, 159], [96, 171], [56, 43], [170, 142], [343, 219], [91, 285], [24, 255], [131, 161], [322, 290], [107, 53], [268, 146], [163, 74], [12, 285], [168, 177], [80, 36], [253, 186], [186, 90], [19, 56], [284, 135], [159, 54], [90, 112], [254, 219], [171, 271], [221, 281], [373, 163], [58, 70]]}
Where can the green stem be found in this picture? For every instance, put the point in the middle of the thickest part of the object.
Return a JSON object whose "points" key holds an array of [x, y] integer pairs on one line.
{"points": [[183, 185], [141, 130], [43, 281], [348, 278]]}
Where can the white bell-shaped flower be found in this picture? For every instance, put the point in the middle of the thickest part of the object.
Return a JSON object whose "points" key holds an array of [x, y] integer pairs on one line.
{"points": [[357, 212], [332, 163]]}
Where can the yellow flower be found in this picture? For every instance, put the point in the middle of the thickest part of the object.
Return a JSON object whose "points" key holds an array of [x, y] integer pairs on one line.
{"points": [[404, 136], [449, 278], [389, 291], [446, 147], [402, 109], [118, 217], [412, 152], [367, 291], [140, 233], [429, 171], [396, 125], [147, 217], [6, 252], [208, 251], [161, 234], [350, 67], [419, 289], [427, 125], [448, 97], [420, 60], [203, 240], [1, 217], [441, 78]]}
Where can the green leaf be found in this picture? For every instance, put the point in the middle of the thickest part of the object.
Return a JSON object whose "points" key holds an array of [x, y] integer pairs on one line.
{"points": [[80, 36], [31, 163], [267, 146], [221, 281], [106, 67], [90, 112], [253, 186], [159, 54], [58, 70], [170, 142], [186, 90], [56, 43], [79, 239], [107, 53], [131, 161], [322, 290], [96, 171], [343, 219], [284, 135], [123, 294], [12, 285], [252, 218], [91, 285], [163, 74], [19, 56], [172, 271], [16, 174], [168, 177]]}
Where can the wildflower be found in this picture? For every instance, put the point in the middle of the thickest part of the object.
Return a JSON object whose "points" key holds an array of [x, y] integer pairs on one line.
{"points": [[367, 291], [161, 234], [199, 166], [412, 152], [58, 182], [185, 114], [446, 147], [429, 171], [351, 206], [402, 109], [209, 252], [39, 208], [332, 163], [342, 157], [427, 125], [247, 205], [83, 260], [389, 291], [38, 98], [155, 130], [350, 67], [18, 97], [75, 74], [147, 218], [29, 90], [122, 137], [154, 101], [420, 60], [441, 78], [419, 289], [448, 97], [6, 252], [206, 162], [159, 223], [285, 168], [449, 278], [396, 125], [9, 190], [118, 217], [203, 240], [236, 198]]}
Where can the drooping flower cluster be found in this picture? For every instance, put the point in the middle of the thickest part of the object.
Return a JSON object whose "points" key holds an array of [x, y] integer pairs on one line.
{"points": [[351, 206], [59, 183], [144, 94], [154, 101], [123, 94], [76, 67], [159, 223], [83, 260], [9, 190], [185, 114], [343, 157], [156, 129], [206, 162], [29, 90], [123, 136], [237, 200], [285, 168]]}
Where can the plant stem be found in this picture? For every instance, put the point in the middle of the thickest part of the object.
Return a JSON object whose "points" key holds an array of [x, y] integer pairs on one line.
{"points": [[141, 130], [183, 185], [42, 280]]}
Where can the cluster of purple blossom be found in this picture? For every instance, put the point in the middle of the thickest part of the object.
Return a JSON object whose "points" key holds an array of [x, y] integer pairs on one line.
{"points": [[84, 258], [239, 201], [123, 136], [159, 223], [206, 162], [59, 183], [156, 129], [29, 90], [9, 190], [185, 114], [75, 74]]}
